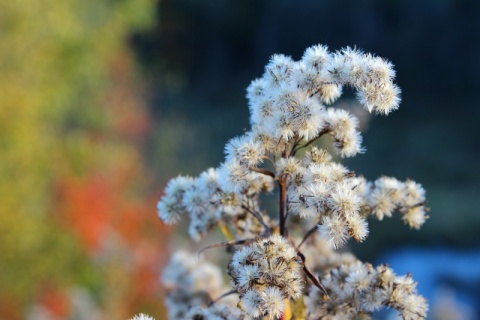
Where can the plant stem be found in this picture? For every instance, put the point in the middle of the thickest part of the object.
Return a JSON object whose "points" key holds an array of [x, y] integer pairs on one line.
{"points": [[311, 141], [295, 144], [312, 277], [259, 218], [227, 243], [263, 171], [282, 183], [226, 233], [222, 296], [307, 235]]}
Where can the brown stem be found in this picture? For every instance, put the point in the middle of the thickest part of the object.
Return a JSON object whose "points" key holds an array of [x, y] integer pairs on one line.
{"points": [[311, 276], [295, 144], [282, 183], [263, 171], [321, 133], [222, 296], [259, 218], [307, 235]]}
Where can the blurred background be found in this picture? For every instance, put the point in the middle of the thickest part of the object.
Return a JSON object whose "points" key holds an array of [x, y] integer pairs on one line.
{"points": [[103, 101]]}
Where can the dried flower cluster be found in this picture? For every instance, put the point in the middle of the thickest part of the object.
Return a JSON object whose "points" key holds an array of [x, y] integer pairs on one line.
{"points": [[190, 281], [358, 289], [285, 264], [265, 273]]}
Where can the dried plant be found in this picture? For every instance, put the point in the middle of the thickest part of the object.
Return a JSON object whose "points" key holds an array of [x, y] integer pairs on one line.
{"points": [[285, 265]]}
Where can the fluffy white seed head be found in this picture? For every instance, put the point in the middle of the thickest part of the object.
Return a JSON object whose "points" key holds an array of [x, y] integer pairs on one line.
{"points": [[414, 194], [261, 111], [266, 140], [177, 186], [357, 227], [415, 307], [344, 200], [325, 172], [415, 217], [278, 70], [252, 303], [194, 200], [333, 230], [273, 302], [244, 150], [231, 176], [257, 183], [329, 93], [307, 78], [288, 167], [269, 267], [301, 203], [316, 155], [359, 277], [381, 200], [316, 57], [308, 118], [170, 207], [256, 90], [207, 182], [382, 100], [373, 301], [142, 316], [343, 127]]}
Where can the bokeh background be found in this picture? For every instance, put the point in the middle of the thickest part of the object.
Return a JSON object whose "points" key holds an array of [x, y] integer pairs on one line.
{"points": [[103, 101]]}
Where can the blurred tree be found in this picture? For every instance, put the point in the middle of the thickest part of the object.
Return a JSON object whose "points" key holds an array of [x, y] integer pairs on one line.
{"points": [[70, 127]]}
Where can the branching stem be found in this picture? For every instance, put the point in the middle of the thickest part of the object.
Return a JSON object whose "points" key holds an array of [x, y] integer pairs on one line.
{"points": [[321, 133], [259, 218], [295, 144], [263, 171]]}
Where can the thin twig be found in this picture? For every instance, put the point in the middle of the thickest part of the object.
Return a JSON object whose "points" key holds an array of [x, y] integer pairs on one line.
{"points": [[259, 218], [321, 133], [263, 171], [287, 210], [311, 276], [295, 144], [255, 214], [222, 296], [307, 235], [278, 143], [227, 243], [283, 191]]}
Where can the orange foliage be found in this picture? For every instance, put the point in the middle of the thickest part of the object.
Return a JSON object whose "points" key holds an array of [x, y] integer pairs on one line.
{"points": [[109, 198], [53, 299], [86, 208]]}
